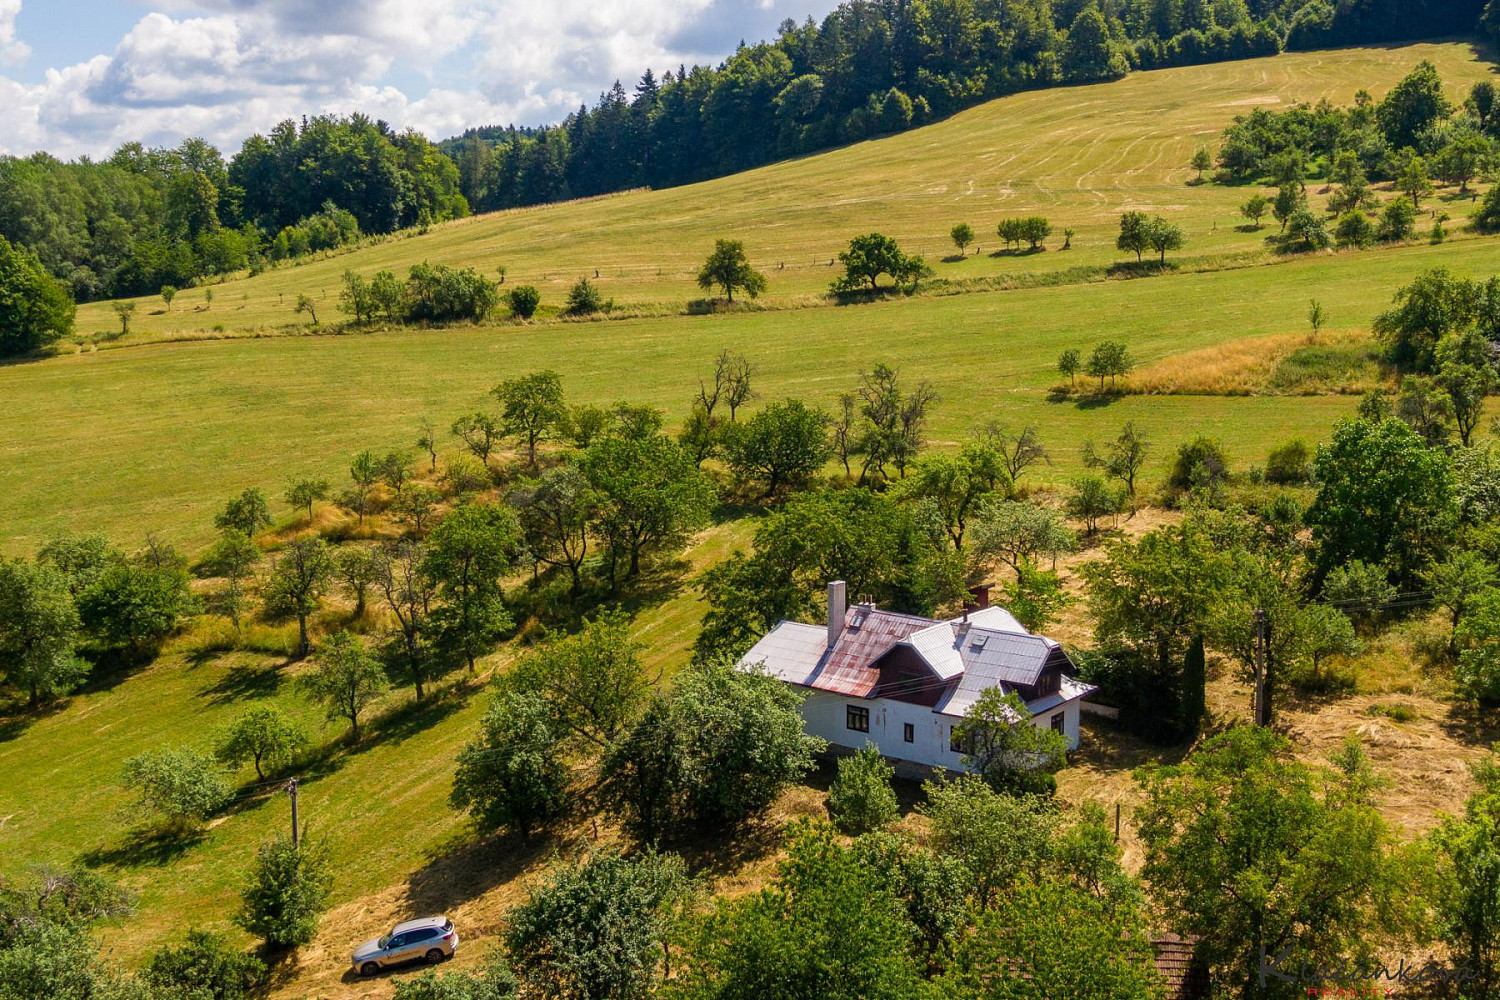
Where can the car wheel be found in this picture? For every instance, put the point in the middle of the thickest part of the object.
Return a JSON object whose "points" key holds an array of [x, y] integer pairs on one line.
{"points": [[434, 956], [369, 969]]}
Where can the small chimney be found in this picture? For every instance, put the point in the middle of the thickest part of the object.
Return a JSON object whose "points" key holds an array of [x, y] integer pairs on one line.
{"points": [[838, 602], [981, 593]]}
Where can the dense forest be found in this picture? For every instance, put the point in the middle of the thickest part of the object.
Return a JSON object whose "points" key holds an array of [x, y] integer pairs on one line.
{"points": [[145, 219], [878, 66], [148, 218]]}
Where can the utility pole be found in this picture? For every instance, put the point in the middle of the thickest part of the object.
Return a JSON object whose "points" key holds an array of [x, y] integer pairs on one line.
{"points": [[1262, 709], [291, 788]]}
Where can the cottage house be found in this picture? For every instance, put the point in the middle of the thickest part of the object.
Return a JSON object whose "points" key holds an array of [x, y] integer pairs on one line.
{"points": [[903, 682]]}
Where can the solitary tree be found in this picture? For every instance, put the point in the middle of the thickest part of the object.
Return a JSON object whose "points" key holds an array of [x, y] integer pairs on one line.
{"points": [[600, 929], [286, 892], [345, 679], [123, 312], [962, 235], [479, 433], [168, 293], [557, 511], [1255, 209], [1068, 363], [1201, 161], [232, 557], [304, 493], [531, 408], [781, 445], [299, 579], [38, 626], [1164, 236], [1122, 458], [466, 556], [427, 440], [1242, 811], [246, 513], [727, 268], [1134, 234], [511, 775], [181, 786], [861, 799], [262, 736], [305, 304]]}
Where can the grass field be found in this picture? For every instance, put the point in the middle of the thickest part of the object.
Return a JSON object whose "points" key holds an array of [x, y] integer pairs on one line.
{"points": [[155, 438], [1078, 155]]}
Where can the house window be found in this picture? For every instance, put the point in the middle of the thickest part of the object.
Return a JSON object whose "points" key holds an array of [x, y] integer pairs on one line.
{"points": [[857, 719], [909, 732], [956, 741], [1058, 722]]}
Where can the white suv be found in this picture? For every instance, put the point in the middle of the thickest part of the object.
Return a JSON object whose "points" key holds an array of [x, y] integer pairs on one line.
{"points": [[430, 939]]}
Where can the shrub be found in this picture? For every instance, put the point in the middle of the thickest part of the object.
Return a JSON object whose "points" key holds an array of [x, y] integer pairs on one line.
{"points": [[493, 983], [437, 293], [861, 799], [1290, 463], [183, 786], [205, 967], [524, 300], [584, 299], [286, 892], [1486, 218], [1354, 229], [135, 605], [1359, 589], [1200, 462], [1398, 221]]}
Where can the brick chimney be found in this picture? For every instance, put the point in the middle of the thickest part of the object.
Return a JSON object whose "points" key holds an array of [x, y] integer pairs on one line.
{"points": [[838, 602], [981, 595]]}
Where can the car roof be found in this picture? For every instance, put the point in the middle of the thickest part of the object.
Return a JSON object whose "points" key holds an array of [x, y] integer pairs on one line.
{"points": [[418, 924]]}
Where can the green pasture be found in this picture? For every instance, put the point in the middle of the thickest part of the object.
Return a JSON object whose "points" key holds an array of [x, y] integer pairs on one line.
{"points": [[155, 438]]}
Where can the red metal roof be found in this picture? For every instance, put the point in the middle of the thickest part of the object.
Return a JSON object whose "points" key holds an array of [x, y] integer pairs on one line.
{"points": [[849, 668]]}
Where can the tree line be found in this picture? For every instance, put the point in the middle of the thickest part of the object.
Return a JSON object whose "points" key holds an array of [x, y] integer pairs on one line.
{"points": [[144, 218]]}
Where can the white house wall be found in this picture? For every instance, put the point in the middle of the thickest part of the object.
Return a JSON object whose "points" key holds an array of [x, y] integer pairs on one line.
{"points": [[824, 715]]}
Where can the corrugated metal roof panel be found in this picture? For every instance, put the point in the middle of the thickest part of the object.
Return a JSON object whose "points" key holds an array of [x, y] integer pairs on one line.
{"points": [[938, 650], [790, 651], [849, 668], [1003, 659], [994, 617]]}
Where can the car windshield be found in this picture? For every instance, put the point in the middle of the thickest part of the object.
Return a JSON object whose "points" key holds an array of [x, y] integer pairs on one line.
{"points": [[385, 940]]}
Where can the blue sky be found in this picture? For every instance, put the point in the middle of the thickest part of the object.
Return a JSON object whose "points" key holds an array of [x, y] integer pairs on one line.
{"points": [[79, 77]]}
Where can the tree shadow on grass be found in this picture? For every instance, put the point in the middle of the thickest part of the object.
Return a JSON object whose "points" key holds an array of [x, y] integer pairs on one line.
{"points": [[1018, 252], [1087, 399], [109, 668], [397, 724], [16, 717], [1471, 725], [243, 681], [146, 847]]}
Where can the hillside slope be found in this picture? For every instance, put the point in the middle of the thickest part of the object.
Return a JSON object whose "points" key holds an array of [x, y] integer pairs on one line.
{"points": [[1078, 155]]}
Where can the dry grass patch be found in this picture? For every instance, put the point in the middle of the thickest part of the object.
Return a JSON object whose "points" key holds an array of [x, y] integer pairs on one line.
{"points": [[1339, 361]]}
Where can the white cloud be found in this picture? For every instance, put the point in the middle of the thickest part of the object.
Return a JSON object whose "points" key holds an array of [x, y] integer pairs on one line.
{"points": [[13, 51], [225, 68]]}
